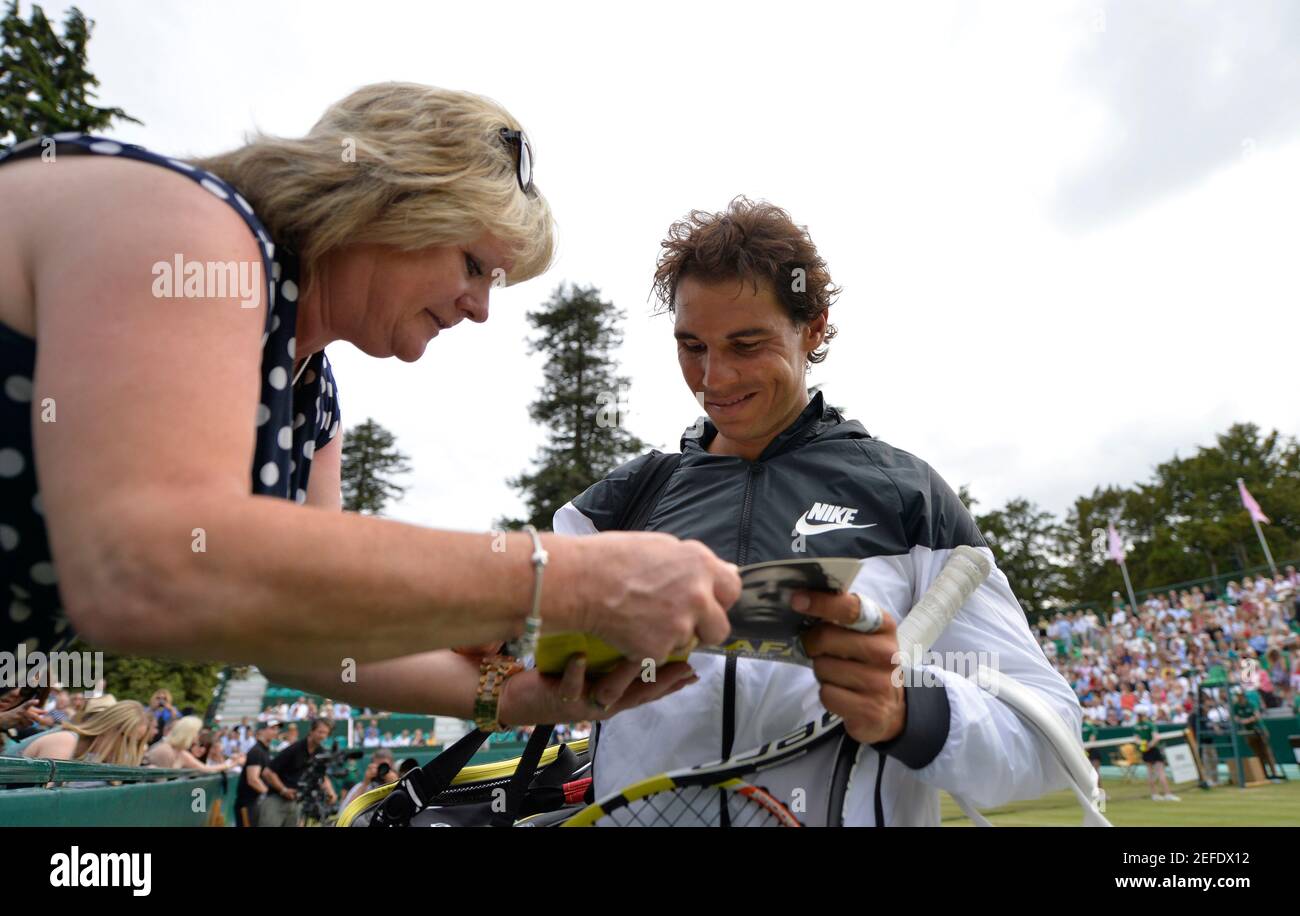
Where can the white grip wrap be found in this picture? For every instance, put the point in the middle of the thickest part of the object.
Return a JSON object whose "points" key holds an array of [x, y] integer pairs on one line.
{"points": [[961, 575]]}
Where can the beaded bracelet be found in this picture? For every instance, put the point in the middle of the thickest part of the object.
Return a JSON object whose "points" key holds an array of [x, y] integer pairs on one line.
{"points": [[493, 672]]}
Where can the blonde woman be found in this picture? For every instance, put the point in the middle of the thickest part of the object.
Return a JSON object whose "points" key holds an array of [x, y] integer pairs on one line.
{"points": [[189, 490], [60, 744], [115, 735], [173, 751]]}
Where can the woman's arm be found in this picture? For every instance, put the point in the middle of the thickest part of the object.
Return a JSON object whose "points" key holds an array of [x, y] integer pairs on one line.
{"points": [[159, 546], [444, 683], [323, 486], [188, 761]]}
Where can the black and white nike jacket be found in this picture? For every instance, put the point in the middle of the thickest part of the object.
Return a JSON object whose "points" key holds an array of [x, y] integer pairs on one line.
{"points": [[825, 487]]}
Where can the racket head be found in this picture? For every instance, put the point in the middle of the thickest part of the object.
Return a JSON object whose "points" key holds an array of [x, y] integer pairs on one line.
{"points": [[692, 795], [659, 802]]}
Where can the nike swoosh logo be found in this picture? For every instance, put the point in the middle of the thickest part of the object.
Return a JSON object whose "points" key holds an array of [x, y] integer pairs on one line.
{"points": [[806, 528]]}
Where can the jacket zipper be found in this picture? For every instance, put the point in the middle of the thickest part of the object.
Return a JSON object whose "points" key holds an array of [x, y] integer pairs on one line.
{"points": [[729, 673], [742, 549]]}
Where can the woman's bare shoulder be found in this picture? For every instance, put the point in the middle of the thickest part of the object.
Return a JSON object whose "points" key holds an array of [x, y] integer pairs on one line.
{"points": [[80, 204], [58, 746]]}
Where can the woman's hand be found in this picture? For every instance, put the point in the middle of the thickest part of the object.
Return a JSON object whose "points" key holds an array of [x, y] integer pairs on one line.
{"points": [[856, 670], [651, 595], [531, 697]]}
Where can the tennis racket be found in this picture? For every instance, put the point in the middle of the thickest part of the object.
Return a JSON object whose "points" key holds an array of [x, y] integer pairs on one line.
{"points": [[827, 755]]}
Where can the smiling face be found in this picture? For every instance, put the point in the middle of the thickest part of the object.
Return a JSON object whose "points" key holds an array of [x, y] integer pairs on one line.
{"points": [[389, 302], [744, 358]]}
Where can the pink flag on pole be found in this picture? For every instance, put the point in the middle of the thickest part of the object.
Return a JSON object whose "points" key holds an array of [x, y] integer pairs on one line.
{"points": [[1249, 502], [1114, 546]]}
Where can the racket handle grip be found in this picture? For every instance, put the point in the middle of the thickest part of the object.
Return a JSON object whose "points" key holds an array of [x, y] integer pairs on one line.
{"points": [[956, 582]]}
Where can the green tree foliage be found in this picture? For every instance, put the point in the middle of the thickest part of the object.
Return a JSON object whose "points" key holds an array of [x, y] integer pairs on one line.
{"points": [[1185, 523], [131, 678], [581, 402], [370, 461], [45, 87], [1083, 543], [1026, 540]]}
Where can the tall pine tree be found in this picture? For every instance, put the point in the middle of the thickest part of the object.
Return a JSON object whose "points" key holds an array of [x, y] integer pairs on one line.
{"points": [[581, 403], [370, 461], [45, 87]]}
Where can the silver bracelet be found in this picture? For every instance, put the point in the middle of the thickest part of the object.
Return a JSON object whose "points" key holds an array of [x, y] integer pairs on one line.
{"points": [[525, 646]]}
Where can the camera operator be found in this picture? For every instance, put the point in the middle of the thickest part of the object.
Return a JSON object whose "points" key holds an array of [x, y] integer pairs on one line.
{"points": [[283, 807], [379, 772], [252, 787]]}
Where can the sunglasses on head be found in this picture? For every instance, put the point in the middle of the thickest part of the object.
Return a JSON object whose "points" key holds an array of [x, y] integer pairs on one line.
{"points": [[517, 140]]}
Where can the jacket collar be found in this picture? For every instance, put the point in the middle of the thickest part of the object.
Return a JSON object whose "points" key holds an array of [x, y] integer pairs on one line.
{"points": [[815, 419]]}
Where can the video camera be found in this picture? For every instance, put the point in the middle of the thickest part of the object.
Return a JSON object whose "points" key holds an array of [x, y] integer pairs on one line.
{"points": [[330, 762]]}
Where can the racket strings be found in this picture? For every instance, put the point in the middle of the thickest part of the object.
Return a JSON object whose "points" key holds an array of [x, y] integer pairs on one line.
{"points": [[697, 806]]}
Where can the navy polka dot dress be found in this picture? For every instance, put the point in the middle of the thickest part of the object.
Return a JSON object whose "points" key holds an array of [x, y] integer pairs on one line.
{"points": [[294, 417]]}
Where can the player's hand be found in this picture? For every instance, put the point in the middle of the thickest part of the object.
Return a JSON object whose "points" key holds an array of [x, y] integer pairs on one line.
{"points": [[531, 697], [855, 670]]}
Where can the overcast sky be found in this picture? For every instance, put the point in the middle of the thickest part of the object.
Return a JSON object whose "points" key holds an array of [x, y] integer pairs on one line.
{"points": [[1066, 233]]}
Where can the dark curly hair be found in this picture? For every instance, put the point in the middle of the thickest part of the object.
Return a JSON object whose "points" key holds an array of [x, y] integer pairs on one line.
{"points": [[751, 241]]}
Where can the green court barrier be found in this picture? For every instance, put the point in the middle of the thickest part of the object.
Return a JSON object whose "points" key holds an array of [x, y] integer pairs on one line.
{"points": [[1279, 731], [83, 795]]}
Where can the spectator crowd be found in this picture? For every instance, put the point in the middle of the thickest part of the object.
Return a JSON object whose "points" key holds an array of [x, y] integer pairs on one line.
{"points": [[1150, 661]]}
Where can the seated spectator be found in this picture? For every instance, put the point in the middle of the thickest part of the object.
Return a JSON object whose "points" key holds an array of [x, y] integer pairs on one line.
{"points": [[207, 749], [164, 713], [89, 707], [300, 710], [115, 735], [379, 772], [288, 736], [59, 706], [174, 751]]}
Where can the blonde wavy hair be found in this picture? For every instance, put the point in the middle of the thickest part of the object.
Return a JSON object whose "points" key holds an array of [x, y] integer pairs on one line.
{"points": [[113, 733], [397, 164], [184, 733]]}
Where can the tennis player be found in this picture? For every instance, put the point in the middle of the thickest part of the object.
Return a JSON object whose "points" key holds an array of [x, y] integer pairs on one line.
{"points": [[773, 472]]}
